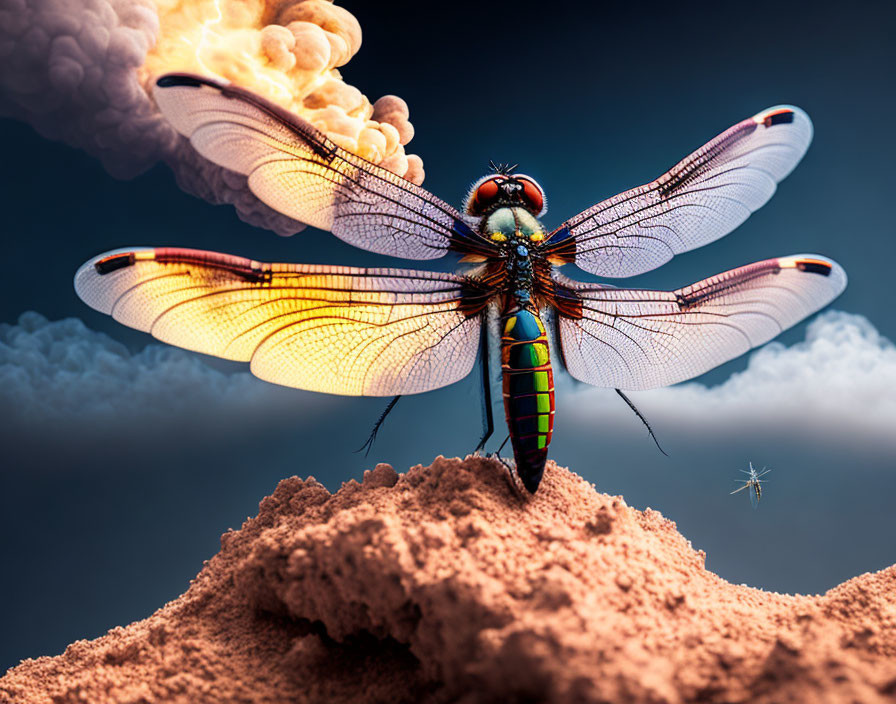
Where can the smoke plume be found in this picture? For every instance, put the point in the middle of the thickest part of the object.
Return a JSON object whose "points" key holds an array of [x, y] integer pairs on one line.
{"points": [[79, 71]]}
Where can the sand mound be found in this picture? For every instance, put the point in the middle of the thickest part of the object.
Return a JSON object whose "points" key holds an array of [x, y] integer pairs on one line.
{"points": [[442, 585]]}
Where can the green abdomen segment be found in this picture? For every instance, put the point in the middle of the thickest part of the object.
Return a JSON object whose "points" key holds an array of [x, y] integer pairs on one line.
{"points": [[528, 392]]}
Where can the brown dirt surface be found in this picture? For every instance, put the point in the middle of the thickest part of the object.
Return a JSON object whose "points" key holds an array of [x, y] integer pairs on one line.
{"points": [[444, 585]]}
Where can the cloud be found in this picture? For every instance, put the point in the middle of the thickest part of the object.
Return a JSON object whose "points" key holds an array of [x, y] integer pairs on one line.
{"points": [[835, 385], [61, 374], [78, 71], [77, 404]]}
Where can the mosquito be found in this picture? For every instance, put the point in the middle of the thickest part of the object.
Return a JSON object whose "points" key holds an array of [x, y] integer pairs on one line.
{"points": [[754, 482]]}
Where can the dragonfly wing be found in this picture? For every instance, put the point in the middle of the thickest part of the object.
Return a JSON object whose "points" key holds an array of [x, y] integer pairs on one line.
{"points": [[640, 339], [339, 330], [294, 168], [700, 199]]}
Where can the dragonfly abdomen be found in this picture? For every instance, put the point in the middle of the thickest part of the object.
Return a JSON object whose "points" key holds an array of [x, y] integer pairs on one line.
{"points": [[528, 392]]}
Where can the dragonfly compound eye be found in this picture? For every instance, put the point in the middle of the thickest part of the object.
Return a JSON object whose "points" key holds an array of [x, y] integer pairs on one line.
{"points": [[485, 195], [532, 196]]}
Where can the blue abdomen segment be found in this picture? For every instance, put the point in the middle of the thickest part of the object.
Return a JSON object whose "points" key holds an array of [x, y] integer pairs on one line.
{"points": [[528, 392]]}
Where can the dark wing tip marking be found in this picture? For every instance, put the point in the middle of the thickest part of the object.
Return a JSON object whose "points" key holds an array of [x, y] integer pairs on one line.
{"points": [[174, 80], [107, 265], [784, 116], [814, 266]]}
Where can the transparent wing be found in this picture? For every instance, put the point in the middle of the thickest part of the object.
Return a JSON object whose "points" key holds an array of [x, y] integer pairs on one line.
{"points": [[640, 339], [339, 330], [700, 199], [297, 171]]}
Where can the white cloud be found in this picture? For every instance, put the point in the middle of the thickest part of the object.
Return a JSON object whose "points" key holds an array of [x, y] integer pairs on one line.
{"points": [[63, 372], [836, 384]]}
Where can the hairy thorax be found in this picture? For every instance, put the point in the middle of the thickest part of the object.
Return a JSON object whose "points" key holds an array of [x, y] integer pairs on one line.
{"points": [[522, 274]]}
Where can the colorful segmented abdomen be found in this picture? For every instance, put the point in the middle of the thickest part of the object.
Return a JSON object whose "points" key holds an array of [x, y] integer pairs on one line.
{"points": [[528, 392]]}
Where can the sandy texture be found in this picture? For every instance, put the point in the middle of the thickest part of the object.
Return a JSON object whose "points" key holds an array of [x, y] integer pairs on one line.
{"points": [[443, 585]]}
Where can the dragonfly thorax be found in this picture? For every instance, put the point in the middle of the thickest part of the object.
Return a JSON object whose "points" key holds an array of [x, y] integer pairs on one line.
{"points": [[519, 234], [513, 225]]}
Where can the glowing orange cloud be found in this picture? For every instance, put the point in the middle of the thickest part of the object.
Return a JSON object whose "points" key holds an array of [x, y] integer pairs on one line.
{"points": [[288, 51]]}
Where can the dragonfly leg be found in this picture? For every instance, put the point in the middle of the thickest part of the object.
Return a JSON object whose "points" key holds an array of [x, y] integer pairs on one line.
{"points": [[498, 453], [512, 477], [488, 423], [510, 474], [643, 419], [376, 427]]}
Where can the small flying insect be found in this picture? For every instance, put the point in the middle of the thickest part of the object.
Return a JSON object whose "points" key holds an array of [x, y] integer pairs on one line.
{"points": [[753, 482], [390, 332]]}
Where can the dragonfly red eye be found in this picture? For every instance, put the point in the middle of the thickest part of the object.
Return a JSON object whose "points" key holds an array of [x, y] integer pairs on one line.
{"points": [[485, 195], [532, 195]]}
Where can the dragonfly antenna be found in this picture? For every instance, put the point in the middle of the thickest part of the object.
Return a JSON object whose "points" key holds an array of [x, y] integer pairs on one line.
{"points": [[643, 420]]}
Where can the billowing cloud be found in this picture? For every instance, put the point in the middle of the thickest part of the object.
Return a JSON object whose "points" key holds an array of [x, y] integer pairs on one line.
{"points": [[835, 385], [62, 374], [79, 71]]}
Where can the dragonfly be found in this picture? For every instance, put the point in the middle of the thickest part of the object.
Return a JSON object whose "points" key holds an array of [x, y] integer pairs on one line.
{"points": [[391, 331], [753, 483]]}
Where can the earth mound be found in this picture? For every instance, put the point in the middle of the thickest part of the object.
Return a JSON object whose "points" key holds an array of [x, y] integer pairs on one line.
{"points": [[443, 585]]}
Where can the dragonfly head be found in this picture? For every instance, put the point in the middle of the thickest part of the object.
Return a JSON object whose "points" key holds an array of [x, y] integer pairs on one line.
{"points": [[502, 190]]}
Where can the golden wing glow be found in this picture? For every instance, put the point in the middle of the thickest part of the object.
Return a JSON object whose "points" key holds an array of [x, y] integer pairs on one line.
{"points": [[640, 339], [295, 169], [338, 330]]}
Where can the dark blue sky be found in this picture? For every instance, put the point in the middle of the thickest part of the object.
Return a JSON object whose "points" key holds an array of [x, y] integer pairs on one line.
{"points": [[99, 532]]}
